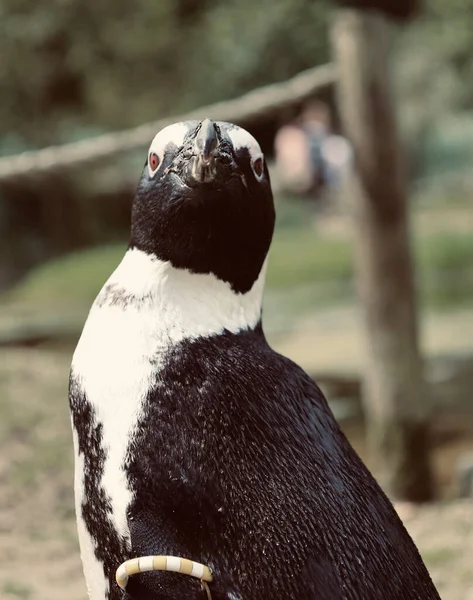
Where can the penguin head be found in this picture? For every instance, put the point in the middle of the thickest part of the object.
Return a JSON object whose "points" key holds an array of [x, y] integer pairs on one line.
{"points": [[204, 202]]}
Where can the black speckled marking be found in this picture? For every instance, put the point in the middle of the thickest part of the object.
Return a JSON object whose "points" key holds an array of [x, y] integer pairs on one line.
{"points": [[109, 548], [114, 295], [238, 463]]}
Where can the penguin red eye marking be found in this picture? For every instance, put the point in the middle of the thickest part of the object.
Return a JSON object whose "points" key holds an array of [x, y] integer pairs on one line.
{"points": [[153, 161], [258, 167], [169, 139]]}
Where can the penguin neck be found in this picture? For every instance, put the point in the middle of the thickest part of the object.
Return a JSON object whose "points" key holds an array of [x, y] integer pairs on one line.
{"points": [[182, 304]]}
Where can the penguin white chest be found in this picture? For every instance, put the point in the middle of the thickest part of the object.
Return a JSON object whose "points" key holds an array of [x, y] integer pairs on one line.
{"points": [[146, 309], [115, 364]]}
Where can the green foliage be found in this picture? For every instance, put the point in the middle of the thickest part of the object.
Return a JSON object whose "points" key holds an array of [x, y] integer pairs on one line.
{"points": [[439, 556], [112, 64], [445, 251], [70, 281], [71, 65], [434, 66], [449, 146]]}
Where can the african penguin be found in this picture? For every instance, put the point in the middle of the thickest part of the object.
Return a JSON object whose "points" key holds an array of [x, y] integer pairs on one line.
{"points": [[193, 438]]}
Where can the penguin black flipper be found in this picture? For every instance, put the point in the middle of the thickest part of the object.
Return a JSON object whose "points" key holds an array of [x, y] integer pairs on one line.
{"points": [[167, 533]]}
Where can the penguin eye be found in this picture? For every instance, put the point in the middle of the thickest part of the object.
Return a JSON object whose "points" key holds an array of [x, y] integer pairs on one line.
{"points": [[258, 167], [153, 161]]}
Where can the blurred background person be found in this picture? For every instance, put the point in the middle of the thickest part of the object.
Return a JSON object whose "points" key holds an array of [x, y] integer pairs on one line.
{"points": [[312, 161]]}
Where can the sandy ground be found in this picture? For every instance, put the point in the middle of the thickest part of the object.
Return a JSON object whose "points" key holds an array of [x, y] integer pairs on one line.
{"points": [[38, 547], [332, 340]]}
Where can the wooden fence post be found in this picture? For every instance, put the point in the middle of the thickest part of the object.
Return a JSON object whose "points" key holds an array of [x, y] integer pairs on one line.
{"points": [[394, 385]]}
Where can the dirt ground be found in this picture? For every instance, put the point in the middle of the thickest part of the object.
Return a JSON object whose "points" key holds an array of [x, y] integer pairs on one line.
{"points": [[38, 547]]}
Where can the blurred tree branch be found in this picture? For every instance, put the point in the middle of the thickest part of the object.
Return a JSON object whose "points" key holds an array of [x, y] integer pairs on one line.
{"points": [[244, 110]]}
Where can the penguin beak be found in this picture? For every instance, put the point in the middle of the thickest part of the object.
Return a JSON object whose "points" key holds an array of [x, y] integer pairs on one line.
{"points": [[203, 164]]}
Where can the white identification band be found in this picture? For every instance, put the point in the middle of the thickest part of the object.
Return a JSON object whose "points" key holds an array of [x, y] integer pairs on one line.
{"points": [[163, 563]]}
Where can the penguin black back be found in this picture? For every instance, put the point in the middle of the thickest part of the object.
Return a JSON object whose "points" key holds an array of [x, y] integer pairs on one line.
{"points": [[194, 438]]}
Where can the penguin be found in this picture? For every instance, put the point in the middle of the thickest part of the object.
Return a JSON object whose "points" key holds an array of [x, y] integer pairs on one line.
{"points": [[194, 440]]}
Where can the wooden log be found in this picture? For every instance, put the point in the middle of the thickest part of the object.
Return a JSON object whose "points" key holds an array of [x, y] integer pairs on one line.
{"points": [[243, 111]]}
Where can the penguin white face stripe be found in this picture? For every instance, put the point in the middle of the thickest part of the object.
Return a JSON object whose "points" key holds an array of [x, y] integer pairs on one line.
{"points": [[173, 134], [240, 138]]}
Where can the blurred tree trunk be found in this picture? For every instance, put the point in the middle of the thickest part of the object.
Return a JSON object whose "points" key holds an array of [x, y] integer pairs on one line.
{"points": [[394, 394]]}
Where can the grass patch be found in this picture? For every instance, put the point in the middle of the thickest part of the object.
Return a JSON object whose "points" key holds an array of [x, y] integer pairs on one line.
{"points": [[71, 280], [34, 417], [14, 588], [46, 461], [301, 258], [14, 420], [445, 269], [435, 557], [445, 251]]}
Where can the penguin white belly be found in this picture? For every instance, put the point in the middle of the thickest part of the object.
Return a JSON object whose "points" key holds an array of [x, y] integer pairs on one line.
{"points": [[115, 364]]}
